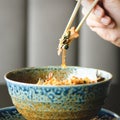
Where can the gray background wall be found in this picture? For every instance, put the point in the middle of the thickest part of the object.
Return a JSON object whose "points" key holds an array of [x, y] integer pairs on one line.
{"points": [[29, 33]]}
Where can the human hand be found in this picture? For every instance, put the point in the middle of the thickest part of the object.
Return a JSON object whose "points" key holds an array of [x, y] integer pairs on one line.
{"points": [[104, 19]]}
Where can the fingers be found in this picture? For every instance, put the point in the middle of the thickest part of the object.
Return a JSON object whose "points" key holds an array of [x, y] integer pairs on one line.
{"points": [[86, 3], [98, 16], [101, 18], [98, 11], [106, 21], [106, 34]]}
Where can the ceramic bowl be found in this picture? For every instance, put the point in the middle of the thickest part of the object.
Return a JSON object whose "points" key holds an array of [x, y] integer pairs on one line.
{"points": [[52, 102]]}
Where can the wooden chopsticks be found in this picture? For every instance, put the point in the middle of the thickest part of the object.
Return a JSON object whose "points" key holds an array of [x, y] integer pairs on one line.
{"points": [[75, 12], [85, 17], [73, 16], [61, 44]]}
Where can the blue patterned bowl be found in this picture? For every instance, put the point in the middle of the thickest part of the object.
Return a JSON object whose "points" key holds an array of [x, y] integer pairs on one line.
{"points": [[50, 102]]}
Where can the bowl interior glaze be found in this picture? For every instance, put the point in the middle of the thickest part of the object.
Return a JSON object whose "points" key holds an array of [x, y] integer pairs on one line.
{"points": [[32, 75]]}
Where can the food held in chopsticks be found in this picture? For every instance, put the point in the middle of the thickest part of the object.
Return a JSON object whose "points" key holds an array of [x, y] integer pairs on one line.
{"points": [[65, 41], [72, 33], [67, 32]]}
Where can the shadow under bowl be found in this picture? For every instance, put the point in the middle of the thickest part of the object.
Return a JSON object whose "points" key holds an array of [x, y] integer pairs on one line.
{"points": [[51, 102]]}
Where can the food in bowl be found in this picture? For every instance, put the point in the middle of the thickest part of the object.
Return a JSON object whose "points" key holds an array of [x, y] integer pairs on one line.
{"points": [[57, 102], [51, 80]]}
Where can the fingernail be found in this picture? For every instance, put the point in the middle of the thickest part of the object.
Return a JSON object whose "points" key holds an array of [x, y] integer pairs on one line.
{"points": [[97, 13], [105, 21]]}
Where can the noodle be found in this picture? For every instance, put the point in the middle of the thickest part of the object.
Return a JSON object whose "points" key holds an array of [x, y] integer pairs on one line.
{"points": [[65, 42], [63, 59], [51, 80]]}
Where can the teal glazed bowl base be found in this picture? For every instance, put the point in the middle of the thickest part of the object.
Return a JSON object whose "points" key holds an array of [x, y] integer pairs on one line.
{"points": [[51, 102]]}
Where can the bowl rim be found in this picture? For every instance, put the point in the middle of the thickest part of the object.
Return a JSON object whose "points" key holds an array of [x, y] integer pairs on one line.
{"points": [[42, 67]]}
